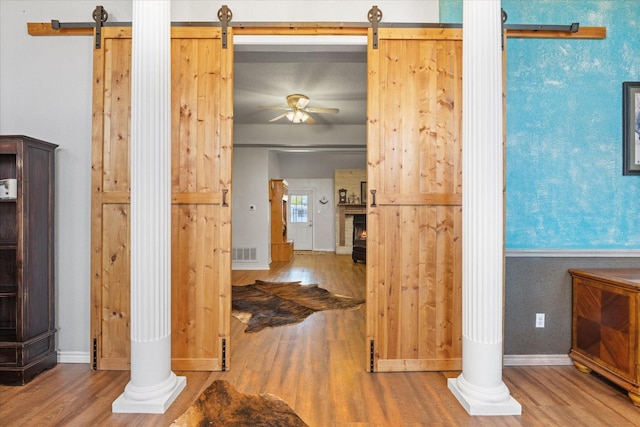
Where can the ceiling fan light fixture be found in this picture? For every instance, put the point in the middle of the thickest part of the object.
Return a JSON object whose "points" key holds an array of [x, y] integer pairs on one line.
{"points": [[298, 111], [297, 116]]}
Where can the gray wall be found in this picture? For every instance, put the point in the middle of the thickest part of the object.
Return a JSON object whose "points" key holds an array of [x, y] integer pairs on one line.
{"points": [[250, 229], [542, 284]]}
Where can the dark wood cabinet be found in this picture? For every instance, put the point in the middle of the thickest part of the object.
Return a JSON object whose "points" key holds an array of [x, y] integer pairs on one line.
{"points": [[605, 338], [27, 317]]}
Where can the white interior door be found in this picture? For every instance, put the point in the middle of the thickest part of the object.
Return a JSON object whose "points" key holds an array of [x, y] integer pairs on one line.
{"points": [[301, 219]]}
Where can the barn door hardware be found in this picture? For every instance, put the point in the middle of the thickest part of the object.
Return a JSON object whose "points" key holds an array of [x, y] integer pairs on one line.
{"points": [[503, 33], [100, 15], [375, 16], [573, 28], [224, 15], [94, 360], [372, 356], [373, 197], [224, 355], [224, 198]]}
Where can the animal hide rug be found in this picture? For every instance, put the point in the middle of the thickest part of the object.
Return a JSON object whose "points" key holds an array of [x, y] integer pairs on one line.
{"points": [[269, 304], [222, 405]]}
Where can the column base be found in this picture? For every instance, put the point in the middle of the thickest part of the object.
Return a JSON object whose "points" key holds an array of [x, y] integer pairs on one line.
{"points": [[157, 403], [475, 405]]}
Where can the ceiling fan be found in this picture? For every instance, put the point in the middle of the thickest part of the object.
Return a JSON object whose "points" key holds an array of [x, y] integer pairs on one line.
{"points": [[297, 111]]}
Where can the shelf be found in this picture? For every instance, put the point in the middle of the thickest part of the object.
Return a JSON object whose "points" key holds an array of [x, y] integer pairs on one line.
{"points": [[7, 335], [8, 290], [27, 311]]}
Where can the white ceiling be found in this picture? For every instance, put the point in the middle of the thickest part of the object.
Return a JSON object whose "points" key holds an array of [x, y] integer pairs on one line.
{"points": [[331, 76]]}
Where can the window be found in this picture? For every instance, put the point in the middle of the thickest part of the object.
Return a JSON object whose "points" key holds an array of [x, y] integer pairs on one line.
{"points": [[298, 205]]}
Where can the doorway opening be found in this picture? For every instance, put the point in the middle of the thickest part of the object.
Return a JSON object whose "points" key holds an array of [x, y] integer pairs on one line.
{"points": [[269, 146], [305, 155]]}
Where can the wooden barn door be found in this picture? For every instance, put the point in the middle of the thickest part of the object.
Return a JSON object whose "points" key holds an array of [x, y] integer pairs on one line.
{"points": [[414, 228], [201, 144]]}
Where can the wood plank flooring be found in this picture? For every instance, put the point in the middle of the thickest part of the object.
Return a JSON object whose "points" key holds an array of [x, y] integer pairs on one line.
{"points": [[318, 368]]}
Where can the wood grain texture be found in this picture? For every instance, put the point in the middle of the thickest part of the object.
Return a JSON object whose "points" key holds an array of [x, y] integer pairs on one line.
{"points": [[605, 336], [200, 174], [27, 281], [318, 368], [414, 232], [281, 248]]}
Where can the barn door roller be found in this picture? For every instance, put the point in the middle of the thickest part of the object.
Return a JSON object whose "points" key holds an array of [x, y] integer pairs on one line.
{"points": [[375, 16], [224, 15], [100, 16]]}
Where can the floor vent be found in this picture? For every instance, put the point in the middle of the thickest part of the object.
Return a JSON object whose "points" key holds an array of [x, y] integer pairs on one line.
{"points": [[244, 254]]}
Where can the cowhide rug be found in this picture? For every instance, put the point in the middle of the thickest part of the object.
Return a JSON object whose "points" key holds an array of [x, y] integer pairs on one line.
{"points": [[222, 405], [269, 304]]}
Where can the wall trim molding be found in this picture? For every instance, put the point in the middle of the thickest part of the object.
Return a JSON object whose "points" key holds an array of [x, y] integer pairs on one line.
{"points": [[249, 266], [572, 253], [537, 360], [509, 360], [74, 357]]}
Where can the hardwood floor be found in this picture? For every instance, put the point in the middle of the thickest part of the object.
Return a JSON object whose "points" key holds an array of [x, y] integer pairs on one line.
{"points": [[318, 368]]}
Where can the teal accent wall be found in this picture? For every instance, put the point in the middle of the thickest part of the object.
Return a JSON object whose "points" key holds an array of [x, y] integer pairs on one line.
{"points": [[565, 188]]}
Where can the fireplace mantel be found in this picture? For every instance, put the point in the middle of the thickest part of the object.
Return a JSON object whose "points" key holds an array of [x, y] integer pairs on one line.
{"points": [[345, 209]]}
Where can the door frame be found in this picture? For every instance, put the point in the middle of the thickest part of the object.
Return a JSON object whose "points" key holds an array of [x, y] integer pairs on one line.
{"points": [[310, 192]]}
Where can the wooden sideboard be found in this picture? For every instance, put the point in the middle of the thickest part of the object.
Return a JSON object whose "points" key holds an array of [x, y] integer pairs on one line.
{"points": [[605, 335]]}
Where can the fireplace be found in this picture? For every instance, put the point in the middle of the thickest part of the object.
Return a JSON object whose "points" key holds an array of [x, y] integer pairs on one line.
{"points": [[359, 252]]}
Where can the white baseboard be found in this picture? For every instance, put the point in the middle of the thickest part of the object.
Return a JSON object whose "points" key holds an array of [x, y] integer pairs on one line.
{"points": [[509, 360], [537, 360], [249, 266], [74, 357]]}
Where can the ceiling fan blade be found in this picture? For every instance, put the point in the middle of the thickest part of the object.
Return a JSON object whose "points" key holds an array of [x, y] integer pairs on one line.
{"points": [[310, 121], [265, 107], [322, 110], [278, 117]]}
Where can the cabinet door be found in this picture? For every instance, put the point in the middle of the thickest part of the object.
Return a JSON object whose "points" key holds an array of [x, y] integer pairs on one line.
{"points": [[414, 220], [201, 118], [604, 327]]}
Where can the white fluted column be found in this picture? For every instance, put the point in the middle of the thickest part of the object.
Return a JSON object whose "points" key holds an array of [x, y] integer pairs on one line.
{"points": [[153, 386], [480, 388]]}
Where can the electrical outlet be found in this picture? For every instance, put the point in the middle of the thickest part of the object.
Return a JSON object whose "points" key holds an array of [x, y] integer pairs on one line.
{"points": [[539, 320]]}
